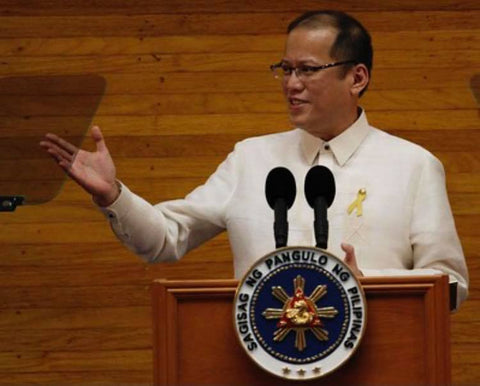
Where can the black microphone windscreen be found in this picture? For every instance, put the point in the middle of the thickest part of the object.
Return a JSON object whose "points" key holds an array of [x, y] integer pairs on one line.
{"points": [[280, 183], [319, 182]]}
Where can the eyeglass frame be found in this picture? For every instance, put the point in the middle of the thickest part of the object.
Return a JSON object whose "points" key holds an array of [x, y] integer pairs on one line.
{"points": [[314, 69]]}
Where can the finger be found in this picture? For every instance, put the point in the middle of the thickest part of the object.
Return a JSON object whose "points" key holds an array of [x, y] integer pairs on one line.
{"points": [[349, 252], [98, 138], [54, 156], [60, 142], [51, 149], [64, 164], [351, 259], [57, 152]]}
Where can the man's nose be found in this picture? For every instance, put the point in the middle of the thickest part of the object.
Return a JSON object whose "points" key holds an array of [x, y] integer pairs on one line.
{"points": [[293, 82]]}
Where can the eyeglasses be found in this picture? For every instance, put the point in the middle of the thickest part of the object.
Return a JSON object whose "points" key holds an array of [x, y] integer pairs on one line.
{"points": [[282, 70]]}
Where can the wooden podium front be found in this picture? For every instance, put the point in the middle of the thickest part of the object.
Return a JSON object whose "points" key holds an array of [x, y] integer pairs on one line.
{"points": [[407, 340]]}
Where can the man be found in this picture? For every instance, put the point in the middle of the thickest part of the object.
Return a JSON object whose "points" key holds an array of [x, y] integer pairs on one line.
{"points": [[391, 211]]}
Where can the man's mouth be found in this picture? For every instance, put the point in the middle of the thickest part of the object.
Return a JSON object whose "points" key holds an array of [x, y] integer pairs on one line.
{"points": [[296, 101]]}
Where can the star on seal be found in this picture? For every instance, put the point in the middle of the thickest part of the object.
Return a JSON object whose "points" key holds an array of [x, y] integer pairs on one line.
{"points": [[300, 313]]}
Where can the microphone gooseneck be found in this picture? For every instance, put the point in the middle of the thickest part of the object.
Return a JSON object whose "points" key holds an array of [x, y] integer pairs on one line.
{"points": [[280, 192], [320, 192]]}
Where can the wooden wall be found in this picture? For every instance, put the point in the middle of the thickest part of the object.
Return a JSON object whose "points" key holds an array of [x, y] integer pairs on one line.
{"points": [[185, 81]]}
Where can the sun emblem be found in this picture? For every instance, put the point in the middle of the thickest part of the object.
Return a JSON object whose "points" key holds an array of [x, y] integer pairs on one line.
{"points": [[300, 313]]}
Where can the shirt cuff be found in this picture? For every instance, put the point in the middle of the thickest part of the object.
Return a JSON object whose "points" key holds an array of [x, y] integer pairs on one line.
{"points": [[120, 207]]}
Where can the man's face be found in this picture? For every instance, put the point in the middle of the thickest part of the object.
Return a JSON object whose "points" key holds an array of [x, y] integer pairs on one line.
{"points": [[321, 104]]}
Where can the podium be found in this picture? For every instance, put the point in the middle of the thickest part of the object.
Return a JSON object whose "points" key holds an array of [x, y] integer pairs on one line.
{"points": [[407, 339]]}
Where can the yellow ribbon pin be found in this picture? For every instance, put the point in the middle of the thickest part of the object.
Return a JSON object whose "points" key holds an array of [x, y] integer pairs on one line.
{"points": [[357, 203]]}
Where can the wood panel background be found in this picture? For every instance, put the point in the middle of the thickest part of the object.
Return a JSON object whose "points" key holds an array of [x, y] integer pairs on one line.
{"points": [[185, 81]]}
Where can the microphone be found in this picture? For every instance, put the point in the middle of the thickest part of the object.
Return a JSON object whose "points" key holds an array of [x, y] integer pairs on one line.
{"points": [[320, 192], [280, 191]]}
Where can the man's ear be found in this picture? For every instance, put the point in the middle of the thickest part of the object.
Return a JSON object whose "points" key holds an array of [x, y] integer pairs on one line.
{"points": [[360, 79]]}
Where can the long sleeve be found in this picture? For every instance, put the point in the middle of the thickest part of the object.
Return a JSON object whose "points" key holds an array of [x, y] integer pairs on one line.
{"points": [[434, 237], [166, 231]]}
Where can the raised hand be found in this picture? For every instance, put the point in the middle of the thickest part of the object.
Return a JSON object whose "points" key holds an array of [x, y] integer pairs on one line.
{"points": [[93, 171]]}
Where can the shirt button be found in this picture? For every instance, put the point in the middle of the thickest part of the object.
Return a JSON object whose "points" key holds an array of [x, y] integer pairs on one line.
{"points": [[111, 215], [326, 146]]}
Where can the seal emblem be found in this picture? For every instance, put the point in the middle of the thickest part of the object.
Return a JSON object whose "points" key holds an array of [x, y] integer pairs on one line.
{"points": [[299, 313]]}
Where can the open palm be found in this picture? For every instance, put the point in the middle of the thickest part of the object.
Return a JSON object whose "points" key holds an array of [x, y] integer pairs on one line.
{"points": [[93, 171]]}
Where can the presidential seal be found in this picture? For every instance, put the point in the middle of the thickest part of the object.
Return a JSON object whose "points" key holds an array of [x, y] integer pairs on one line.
{"points": [[299, 313]]}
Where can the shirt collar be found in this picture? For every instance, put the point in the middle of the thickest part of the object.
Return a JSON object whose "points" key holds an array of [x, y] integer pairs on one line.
{"points": [[342, 146]]}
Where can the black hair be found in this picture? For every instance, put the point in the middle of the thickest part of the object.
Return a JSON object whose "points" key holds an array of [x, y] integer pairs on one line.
{"points": [[353, 41]]}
